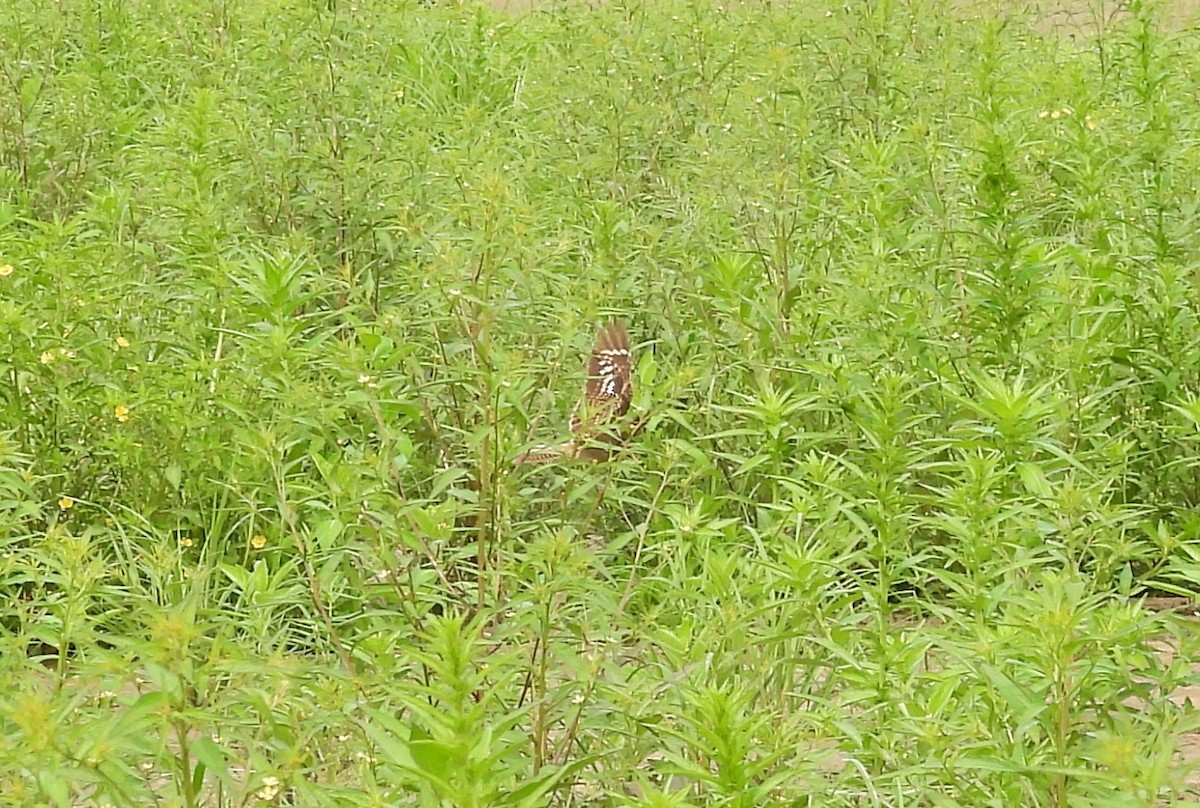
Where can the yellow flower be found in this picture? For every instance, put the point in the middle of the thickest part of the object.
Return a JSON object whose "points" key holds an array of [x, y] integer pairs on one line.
{"points": [[47, 357], [121, 413], [258, 541], [186, 541], [6, 270], [66, 503], [122, 342]]}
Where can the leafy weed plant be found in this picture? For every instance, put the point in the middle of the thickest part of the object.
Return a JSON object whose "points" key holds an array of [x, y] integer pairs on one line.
{"points": [[284, 289]]}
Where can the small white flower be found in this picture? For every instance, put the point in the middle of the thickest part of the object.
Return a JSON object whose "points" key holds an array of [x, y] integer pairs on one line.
{"points": [[269, 790]]}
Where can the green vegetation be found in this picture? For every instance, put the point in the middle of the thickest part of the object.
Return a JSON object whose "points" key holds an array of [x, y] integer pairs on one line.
{"points": [[285, 287]]}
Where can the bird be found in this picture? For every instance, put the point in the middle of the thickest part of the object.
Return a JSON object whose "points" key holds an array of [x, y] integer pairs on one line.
{"points": [[606, 396]]}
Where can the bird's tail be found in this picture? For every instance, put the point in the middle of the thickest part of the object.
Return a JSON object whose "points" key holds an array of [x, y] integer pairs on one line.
{"points": [[546, 454]]}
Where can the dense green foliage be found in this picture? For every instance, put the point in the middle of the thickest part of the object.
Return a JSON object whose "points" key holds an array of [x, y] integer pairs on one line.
{"points": [[284, 288]]}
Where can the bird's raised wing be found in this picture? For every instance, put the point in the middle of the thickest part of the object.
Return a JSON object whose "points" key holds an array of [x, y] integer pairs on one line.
{"points": [[609, 386], [606, 396]]}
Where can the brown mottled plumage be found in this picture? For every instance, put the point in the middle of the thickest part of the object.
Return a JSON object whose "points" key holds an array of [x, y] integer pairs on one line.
{"points": [[606, 397]]}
